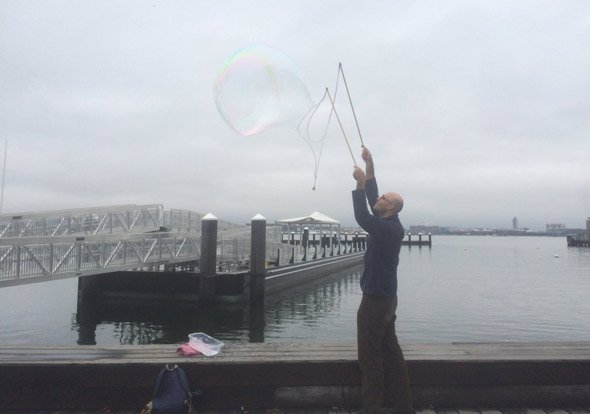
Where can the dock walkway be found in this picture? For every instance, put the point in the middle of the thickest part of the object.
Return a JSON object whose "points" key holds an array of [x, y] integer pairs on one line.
{"points": [[298, 377]]}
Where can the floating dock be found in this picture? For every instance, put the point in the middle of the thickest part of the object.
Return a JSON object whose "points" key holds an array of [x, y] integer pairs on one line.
{"points": [[418, 240], [578, 241]]}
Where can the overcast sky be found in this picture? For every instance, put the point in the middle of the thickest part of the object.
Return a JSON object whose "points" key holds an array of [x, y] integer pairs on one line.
{"points": [[475, 111]]}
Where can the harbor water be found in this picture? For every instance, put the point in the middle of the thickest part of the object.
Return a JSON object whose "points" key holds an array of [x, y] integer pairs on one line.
{"points": [[465, 288]]}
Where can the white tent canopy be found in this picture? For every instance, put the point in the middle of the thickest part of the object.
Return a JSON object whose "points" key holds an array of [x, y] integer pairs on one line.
{"points": [[314, 218]]}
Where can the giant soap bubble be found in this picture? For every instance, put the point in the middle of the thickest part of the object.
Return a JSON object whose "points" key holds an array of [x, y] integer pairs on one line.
{"points": [[258, 89]]}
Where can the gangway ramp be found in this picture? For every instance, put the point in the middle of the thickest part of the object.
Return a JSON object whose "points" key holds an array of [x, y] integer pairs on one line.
{"points": [[129, 218], [43, 246], [26, 260]]}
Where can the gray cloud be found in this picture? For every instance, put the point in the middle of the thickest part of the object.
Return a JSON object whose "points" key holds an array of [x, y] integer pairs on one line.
{"points": [[476, 111]]}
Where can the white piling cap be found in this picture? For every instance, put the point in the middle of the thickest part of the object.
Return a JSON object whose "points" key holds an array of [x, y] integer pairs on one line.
{"points": [[209, 216], [258, 217]]}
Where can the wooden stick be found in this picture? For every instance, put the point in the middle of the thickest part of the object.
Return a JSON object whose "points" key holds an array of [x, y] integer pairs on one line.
{"points": [[340, 123], [351, 105]]}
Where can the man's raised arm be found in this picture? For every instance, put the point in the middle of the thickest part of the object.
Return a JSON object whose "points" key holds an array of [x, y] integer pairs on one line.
{"points": [[368, 159], [371, 186]]}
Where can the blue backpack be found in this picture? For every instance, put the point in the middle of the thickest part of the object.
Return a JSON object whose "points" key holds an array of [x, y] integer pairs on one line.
{"points": [[171, 394]]}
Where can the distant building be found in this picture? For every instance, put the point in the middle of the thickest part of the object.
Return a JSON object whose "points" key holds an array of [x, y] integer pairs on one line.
{"points": [[515, 223], [425, 229], [556, 228], [588, 225]]}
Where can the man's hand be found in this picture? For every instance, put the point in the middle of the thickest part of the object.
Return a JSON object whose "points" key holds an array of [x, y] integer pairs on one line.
{"points": [[360, 177], [368, 159], [366, 154]]}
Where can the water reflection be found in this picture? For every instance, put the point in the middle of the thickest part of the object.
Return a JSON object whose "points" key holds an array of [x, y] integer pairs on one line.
{"points": [[463, 289], [286, 315]]}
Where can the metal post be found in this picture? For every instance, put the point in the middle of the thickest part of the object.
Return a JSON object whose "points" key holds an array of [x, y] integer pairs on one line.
{"points": [[79, 241], [50, 263], [207, 269], [257, 260], [18, 257], [331, 244], [305, 242]]}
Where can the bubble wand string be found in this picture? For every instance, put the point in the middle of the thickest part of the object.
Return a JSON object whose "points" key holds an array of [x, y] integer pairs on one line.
{"points": [[351, 105], [341, 128]]}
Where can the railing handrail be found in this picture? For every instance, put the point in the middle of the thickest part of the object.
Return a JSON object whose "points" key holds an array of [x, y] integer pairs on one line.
{"points": [[70, 256], [38, 258], [86, 221], [76, 211]]}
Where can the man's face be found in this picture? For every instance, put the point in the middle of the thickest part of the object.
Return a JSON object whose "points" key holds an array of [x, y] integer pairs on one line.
{"points": [[383, 204]]}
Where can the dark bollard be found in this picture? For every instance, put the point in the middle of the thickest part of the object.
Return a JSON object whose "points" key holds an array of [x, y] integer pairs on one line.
{"points": [[208, 259], [88, 309], [256, 323], [410, 239], [430, 239], [420, 240], [257, 260], [87, 292]]}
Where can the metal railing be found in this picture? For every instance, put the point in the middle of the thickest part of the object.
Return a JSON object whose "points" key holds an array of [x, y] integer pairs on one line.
{"points": [[84, 221], [24, 259], [93, 247], [89, 221], [46, 258]]}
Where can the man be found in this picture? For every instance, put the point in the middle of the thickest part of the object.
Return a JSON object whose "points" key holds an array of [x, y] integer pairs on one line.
{"points": [[385, 380]]}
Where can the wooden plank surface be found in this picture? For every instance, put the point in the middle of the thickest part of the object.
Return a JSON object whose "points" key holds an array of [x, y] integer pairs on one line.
{"points": [[294, 351], [255, 373], [336, 410]]}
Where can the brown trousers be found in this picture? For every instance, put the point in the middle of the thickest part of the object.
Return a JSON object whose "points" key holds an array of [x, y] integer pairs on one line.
{"points": [[384, 375]]}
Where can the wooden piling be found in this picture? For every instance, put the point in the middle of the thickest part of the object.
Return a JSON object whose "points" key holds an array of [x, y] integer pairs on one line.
{"points": [[257, 260], [207, 268]]}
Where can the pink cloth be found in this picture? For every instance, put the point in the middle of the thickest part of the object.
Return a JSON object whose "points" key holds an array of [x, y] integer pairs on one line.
{"points": [[187, 350]]}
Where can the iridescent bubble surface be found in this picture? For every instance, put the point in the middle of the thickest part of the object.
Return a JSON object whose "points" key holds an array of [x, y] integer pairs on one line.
{"points": [[258, 89]]}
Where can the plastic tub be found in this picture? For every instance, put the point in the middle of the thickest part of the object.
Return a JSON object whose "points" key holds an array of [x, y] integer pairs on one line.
{"points": [[204, 343]]}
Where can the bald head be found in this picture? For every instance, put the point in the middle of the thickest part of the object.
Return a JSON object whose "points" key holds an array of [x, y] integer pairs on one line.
{"points": [[389, 204]]}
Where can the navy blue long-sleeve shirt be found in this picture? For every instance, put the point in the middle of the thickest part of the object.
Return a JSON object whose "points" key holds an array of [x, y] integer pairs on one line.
{"points": [[383, 243]]}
